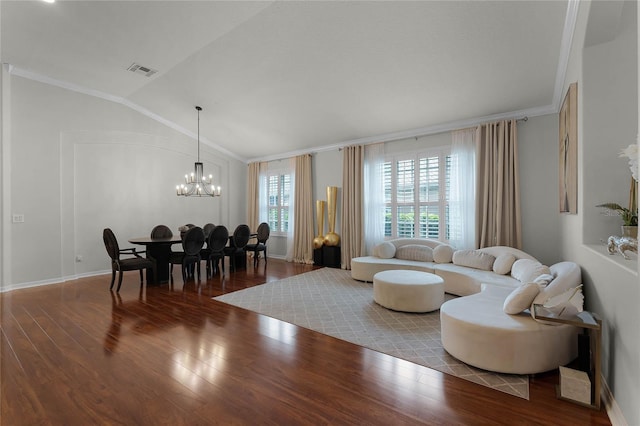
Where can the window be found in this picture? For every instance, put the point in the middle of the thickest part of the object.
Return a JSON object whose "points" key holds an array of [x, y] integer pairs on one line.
{"points": [[278, 190], [416, 189]]}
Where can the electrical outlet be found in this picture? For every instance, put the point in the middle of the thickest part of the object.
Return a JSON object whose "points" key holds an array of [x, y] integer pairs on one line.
{"points": [[18, 218], [78, 259]]}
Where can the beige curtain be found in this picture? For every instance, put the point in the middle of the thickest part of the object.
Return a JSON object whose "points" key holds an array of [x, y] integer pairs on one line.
{"points": [[352, 202], [498, 220], [303, 211], [253, 201]]}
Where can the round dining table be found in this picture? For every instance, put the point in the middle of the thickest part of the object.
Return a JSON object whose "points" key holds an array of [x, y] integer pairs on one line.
{"points": [[158, 249]]}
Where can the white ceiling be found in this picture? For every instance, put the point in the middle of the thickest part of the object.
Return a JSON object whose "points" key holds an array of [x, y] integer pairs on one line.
{"points": [[282, 77]]}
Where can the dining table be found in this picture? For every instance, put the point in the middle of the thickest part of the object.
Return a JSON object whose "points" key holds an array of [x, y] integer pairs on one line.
{"points": [[158, 249]]}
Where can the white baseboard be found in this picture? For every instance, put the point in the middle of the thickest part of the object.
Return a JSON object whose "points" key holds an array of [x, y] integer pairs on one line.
{"points": [[52, 281], [612, 408]]}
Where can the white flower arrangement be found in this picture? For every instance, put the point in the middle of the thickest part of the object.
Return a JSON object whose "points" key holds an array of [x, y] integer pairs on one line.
{"points": [[631, 152]]}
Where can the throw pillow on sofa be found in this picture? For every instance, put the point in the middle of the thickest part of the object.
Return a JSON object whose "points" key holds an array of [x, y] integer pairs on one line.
{"points": [[527, 270], [385, 250], [443, 254], [474, 259], [415, 252], [543, 280], [503, 263], [520, 299], [565, 304]]}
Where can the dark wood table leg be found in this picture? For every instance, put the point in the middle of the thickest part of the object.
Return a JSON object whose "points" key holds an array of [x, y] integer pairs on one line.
{"points": [[161, 253], [240, 260]]}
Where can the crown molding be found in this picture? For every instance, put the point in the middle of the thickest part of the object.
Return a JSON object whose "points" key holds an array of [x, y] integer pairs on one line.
{"points": [[419, 132], [561, 72], [565, 51], [119, 100]]}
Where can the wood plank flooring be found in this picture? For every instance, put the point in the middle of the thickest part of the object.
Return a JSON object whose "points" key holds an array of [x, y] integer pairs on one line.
{"points": [[77, 354]]}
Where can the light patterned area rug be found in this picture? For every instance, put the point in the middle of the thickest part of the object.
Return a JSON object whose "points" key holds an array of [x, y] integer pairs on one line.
{"points": [[329, 301]]}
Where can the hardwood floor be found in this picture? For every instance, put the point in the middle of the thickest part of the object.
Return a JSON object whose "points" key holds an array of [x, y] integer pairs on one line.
{"points": [[77, 354]]}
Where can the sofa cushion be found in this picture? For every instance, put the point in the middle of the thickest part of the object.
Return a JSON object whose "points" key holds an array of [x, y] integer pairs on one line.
{"points": [[415, 252], [473, 259], [503, 263], [527, 270], [543, 280], [566, 275], [520, 298], [443, 254], [463, 281], [498, 250], [385, 250], [399, 242]]}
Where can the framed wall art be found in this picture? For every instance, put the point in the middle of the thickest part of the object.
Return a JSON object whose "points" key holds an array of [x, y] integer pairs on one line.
{"points": [[568, 170]]}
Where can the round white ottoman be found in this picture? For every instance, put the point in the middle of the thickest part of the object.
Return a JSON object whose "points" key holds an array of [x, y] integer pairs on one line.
{"points": [[408, 291]]}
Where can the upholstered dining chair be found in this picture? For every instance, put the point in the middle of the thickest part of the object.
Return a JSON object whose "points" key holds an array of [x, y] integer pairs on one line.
{"points": [[134, 263], [217, 241], [262, 235], [237, 242], [207, 230], [185, 229], [206, 251], [161, 231], [192, 243]]}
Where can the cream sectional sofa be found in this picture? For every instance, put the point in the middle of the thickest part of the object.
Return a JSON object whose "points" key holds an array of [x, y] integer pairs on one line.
{"points": [[475, 328]]}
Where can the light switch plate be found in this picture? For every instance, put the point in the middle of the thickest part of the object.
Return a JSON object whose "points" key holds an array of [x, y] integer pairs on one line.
{"points": [[18, 218]]}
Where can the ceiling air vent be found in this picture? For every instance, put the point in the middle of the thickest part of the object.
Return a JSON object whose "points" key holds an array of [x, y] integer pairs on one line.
{"points": [[139, 69]]}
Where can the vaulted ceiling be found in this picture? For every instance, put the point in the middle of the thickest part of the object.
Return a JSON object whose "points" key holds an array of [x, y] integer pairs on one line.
{"points": [[283, 77]]}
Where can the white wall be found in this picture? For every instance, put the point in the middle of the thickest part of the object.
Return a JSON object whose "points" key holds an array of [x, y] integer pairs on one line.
{"points": [[610, 111], [607, 76], [80, 164], [538, 162]]}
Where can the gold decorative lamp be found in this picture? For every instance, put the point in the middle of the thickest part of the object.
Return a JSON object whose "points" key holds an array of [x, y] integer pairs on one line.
{"points": [[332, 239], [318, 241]]}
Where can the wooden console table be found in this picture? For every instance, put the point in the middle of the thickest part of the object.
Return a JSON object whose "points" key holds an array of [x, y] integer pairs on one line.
{"points": [[592, 325]]}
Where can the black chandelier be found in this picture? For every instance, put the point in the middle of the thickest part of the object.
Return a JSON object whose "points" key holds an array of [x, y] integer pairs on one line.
{"points": [[196, 184]]}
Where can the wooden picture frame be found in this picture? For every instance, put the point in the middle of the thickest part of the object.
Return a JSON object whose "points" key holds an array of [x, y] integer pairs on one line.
{"points": [[568, 152]]}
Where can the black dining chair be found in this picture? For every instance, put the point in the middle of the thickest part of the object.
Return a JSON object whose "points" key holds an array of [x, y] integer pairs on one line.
{"points": [[217, 241], [261, 236], [192, 243], [207, 230], [206, 251], [134, 263], [235, 249], [185, 229], [161, 231]]}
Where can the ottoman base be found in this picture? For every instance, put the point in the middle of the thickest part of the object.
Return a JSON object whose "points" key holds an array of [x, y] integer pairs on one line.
{"points": [[408, 291]]}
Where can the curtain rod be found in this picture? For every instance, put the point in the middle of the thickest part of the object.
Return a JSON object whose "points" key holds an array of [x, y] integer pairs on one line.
{"points": [[525, 119], [355, 142]]}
